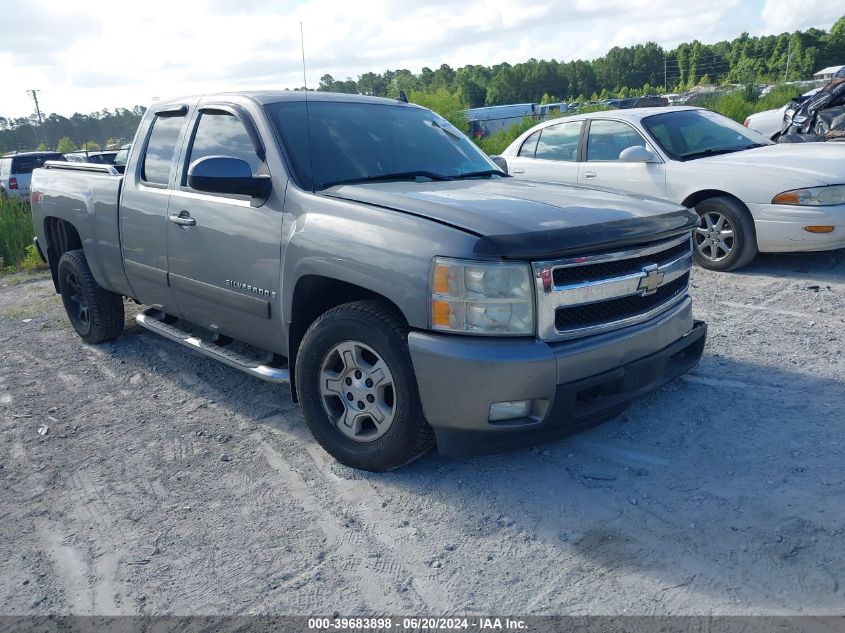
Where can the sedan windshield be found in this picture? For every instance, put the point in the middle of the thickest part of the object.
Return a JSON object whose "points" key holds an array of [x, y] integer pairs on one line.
{"points": [[689, 134], [333, 143]]}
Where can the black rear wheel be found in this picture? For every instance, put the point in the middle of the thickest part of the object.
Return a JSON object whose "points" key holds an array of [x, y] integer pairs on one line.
{"points": [[94, 312]]}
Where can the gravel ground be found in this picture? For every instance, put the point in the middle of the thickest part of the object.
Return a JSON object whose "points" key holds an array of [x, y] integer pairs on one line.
{"points": [[140, 478]]}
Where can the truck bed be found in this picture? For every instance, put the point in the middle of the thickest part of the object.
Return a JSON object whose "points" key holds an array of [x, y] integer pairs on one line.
{"points": [[87, 196]]}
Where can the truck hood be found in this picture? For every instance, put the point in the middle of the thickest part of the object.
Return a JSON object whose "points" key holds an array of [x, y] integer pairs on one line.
{"points": [[813, 163], [522, 219]]}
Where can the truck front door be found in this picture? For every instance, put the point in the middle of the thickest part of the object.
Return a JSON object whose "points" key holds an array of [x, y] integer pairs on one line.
{"points": [[224, 252]]}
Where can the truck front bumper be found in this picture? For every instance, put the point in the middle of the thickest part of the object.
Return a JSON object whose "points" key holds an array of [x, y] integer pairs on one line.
{"points": [[570, 384]]}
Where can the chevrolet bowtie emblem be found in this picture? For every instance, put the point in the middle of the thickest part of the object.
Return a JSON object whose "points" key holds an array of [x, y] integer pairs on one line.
{"points": [[651, 281]]}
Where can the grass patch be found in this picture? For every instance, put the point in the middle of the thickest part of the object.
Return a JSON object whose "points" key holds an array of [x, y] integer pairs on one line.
{"points": [[17, 252]]}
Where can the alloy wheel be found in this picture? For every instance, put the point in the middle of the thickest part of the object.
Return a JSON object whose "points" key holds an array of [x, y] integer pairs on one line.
{"points": [[714, 237], [357, 391]]}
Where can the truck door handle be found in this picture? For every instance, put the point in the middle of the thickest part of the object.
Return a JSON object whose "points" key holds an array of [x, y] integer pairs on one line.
{"points": [[183, 219], [589, 174], [518, 171]]}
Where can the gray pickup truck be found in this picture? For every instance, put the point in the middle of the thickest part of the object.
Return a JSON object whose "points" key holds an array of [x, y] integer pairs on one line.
{"points": [[365, 251]]}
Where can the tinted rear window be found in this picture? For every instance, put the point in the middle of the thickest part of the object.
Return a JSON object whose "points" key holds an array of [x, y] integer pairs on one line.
{"points": [[25, 164]]}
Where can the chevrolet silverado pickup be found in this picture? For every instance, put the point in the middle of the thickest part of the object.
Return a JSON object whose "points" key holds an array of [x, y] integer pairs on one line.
{"points": [[366, 252]]}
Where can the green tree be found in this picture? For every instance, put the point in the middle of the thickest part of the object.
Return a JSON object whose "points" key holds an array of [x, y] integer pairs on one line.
{"points": [[65, 145], [445, 103], [42, 147]]}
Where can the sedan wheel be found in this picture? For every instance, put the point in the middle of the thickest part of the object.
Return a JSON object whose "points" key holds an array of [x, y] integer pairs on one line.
{"points": [[725, 238], [714, 237]]}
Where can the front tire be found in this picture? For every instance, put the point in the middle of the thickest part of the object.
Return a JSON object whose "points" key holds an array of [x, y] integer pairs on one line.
{"points": [[725, 238], [356, 385], [94, 312]]}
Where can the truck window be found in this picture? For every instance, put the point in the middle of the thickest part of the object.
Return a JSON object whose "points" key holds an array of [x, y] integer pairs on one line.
{"points": [[335, 141], [221, 134], [160, 149]]}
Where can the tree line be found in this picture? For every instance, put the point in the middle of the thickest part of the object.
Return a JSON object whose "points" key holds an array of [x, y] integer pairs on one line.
{"points": [[623, 71], [66, 134]]}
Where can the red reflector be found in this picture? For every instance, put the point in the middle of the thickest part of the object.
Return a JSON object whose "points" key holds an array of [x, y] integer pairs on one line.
{"points": [[35, 198], [746, 122], [13, 183]]}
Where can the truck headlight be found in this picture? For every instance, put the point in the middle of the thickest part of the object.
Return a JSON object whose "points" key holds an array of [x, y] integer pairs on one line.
{"points": [[812, 196], [492, 298]]}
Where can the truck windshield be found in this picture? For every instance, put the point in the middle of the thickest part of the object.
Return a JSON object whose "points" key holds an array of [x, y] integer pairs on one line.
{"points": [[358, 142]]}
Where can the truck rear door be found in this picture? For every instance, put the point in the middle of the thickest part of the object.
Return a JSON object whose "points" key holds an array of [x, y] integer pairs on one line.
{"points": [[224, 252], [143, 209]]}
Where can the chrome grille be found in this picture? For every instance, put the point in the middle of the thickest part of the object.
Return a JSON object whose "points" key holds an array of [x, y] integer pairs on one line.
{"points": [[586, 295]]}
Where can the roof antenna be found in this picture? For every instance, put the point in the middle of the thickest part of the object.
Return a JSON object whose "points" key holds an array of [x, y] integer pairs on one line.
{"points": [[403, 97], [307, 112]]}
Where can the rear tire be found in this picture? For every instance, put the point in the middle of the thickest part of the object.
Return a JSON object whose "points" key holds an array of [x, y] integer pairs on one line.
{"points": [[356, 386], [725, 238], [94, 312]]}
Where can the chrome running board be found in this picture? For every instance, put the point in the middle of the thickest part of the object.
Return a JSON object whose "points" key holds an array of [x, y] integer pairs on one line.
{"points": [[149, 318]]}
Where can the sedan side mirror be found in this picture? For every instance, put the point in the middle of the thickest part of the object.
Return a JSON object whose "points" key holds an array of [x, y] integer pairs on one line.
{"points": [[636, 154], [501, 163], [227, 175]]}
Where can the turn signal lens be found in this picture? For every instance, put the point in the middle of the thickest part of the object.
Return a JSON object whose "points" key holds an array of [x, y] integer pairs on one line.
{"points": [[819, 229]]}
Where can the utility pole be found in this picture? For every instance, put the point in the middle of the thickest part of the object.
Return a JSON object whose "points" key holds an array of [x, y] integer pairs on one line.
{"points": [[34, 94], [788, 53], [665, 89]]}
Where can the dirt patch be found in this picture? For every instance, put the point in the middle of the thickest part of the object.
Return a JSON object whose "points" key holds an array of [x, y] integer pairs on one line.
{"points": [[722, 493]]}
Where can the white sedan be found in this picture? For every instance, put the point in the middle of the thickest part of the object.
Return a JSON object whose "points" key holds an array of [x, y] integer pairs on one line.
{"points": [[751, 195]]}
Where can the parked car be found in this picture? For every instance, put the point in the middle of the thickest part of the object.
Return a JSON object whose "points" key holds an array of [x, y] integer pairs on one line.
{"points": [[122, 155], [97, 158], [16, 171], [750, 194], [409, 288], [770, 122]]}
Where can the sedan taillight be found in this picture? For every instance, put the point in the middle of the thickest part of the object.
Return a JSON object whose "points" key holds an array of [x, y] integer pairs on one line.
{"points": [[13, 183], [747, 121]]}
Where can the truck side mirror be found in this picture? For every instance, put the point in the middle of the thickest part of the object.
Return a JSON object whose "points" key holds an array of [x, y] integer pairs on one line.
{"points": [[224, 174], [636, 154]]}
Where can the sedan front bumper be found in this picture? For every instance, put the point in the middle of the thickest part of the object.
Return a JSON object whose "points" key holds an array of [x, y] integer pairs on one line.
{"points": [[780, 227]]}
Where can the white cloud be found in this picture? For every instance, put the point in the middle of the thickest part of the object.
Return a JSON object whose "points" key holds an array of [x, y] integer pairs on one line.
{"points": [[781, 16], [101, 53]]}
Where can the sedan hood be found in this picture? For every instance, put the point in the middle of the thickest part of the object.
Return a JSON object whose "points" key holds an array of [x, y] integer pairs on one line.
{"points": [[815, 163], [521, 219]]}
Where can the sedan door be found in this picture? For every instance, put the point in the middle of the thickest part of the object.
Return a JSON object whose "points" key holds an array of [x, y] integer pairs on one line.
{"points": [[606, 140], [549, 154], [224, 250]]}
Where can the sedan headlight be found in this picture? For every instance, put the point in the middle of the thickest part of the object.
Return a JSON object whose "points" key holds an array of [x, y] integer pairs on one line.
{"points": [[813, 196], [492, 298]]}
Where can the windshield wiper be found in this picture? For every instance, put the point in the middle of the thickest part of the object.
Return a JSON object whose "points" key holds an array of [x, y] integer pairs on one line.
{"points": [[482, 174], [404, 175], [716, 151]]}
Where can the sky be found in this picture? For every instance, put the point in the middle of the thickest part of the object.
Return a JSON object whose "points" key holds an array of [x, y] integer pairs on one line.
{"points": [[86, 56]]}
